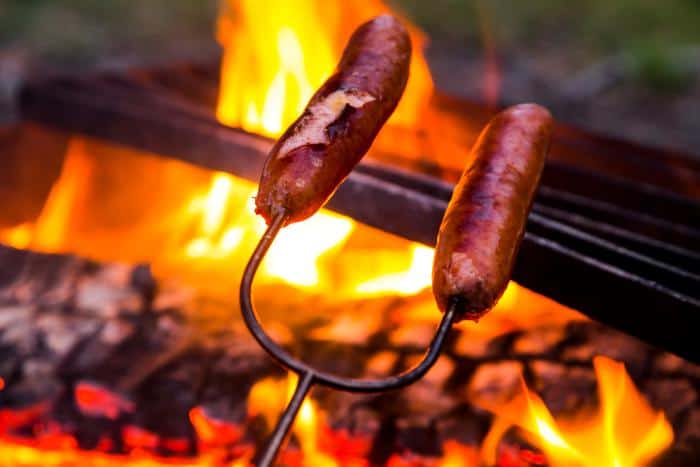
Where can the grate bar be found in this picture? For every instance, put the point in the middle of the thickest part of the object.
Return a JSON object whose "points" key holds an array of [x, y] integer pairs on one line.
{"points": [[587, 242], [663, 251]]}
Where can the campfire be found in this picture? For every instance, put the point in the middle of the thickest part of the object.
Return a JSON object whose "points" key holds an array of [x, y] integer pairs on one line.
{"points": [[116, 329]]}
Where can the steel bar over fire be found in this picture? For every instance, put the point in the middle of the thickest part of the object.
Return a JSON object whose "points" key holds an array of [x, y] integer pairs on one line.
{"points": [[622, 251]]}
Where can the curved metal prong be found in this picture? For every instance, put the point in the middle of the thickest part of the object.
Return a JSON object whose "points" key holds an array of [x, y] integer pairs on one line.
{"points": [[268, 454], [309, 375]]}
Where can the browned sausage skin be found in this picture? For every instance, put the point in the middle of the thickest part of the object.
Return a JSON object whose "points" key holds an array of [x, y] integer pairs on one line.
{"points": [[485, 220], [339, 124]]}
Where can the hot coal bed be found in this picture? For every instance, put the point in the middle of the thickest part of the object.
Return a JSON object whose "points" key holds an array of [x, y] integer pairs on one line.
{"points": [[112, 361]]}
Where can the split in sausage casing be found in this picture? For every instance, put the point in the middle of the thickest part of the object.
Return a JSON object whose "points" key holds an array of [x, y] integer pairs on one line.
{"points": [[485, 219], [319, 149]]}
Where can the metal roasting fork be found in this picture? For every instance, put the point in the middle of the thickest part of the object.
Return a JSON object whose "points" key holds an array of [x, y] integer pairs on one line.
{"points": [[308, 376]]}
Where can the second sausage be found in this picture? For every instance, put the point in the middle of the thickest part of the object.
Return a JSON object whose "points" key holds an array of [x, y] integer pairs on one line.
{"points": [[485, 219]]}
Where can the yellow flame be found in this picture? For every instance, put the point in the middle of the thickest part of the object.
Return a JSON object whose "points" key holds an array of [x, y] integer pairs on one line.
{"points": [[213, 226], [19, 236], [629, 444], [266, 84], [215, 205], [226, 215], [295, 254], [214, 239], [407, 282], [541, 422], [624, 432], [307, 429], [277, 52]]}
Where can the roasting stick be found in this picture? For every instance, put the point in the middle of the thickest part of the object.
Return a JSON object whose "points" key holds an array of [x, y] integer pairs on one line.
{"points": [[306, 166], [308, 376], [483, 225], [476, 250]]}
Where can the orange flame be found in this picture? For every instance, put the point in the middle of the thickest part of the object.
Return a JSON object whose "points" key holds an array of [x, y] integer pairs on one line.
{"points": [[625, 432], [278, 52], [65, 197], [214, 224]]}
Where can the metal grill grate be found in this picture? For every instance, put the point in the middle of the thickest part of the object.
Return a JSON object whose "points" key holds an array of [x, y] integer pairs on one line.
{"points": [[613, 232]]}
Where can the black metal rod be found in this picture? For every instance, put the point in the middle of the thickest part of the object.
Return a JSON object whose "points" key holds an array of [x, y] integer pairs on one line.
{"points": [[308, 376], [301, 368], [267, 456]]}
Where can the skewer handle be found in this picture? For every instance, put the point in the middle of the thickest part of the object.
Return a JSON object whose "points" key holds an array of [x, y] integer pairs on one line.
{"points": [[308, 375], [267, 456]]}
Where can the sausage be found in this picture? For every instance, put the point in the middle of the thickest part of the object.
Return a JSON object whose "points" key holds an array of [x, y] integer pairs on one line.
{"points": [[319, 149], [485, 219]]}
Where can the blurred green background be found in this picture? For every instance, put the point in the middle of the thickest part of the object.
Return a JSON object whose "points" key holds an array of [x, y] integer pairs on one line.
{"points": [[597, 63], [79, 32], [649, 32]]}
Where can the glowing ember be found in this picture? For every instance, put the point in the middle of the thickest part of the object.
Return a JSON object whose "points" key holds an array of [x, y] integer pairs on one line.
{"points": [[458, 455], [213, 432], [278, 52], [16, 453], [625, 431], [94, 400]]}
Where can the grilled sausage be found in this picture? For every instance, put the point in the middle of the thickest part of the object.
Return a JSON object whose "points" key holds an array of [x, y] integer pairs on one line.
{"points": [[485, 219], [339, 124]]}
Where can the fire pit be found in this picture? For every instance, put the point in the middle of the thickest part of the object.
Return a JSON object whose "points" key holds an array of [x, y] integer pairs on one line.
{"points": [[131, 221]]}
